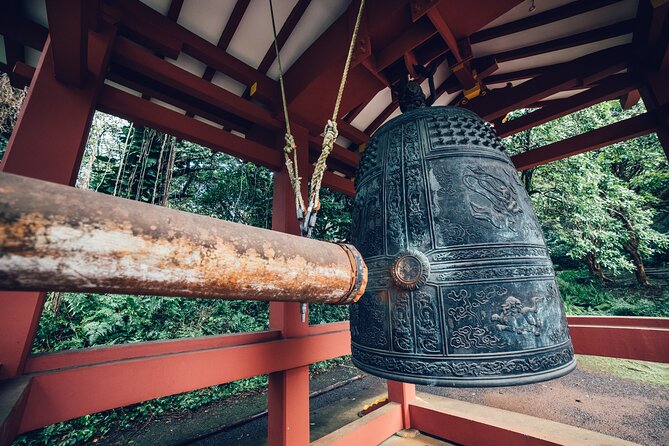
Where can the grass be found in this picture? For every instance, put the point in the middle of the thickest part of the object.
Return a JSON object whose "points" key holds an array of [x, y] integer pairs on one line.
{"points": [[642, 371]]}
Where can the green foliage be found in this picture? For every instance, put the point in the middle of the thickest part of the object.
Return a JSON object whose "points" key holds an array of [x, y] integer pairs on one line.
{"points": [[584, 294], [599, 208]]}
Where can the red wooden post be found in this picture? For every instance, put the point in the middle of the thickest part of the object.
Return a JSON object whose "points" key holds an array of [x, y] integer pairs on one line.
{"points": [[47, 143], [655, 93], [288, 394], [404, 394]]}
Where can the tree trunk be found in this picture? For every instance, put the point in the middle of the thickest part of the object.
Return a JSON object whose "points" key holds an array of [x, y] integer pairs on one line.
{"points": [[632, 248], [595, 268]]}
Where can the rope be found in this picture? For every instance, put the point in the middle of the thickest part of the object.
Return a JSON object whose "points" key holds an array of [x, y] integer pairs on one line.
{"points": [[289, 147], [330, 134]]}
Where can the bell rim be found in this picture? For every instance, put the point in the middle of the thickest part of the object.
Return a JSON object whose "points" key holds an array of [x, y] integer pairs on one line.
{"points": [[493, 381]]}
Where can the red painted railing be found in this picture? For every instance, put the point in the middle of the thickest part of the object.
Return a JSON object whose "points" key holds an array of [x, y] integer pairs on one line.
{"points": [[71, 384]]}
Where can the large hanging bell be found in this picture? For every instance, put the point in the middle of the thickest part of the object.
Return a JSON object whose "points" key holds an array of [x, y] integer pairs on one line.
{"points": [[461, 289]]}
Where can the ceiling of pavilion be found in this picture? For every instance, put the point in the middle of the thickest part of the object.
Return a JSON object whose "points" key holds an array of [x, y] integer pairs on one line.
{"points": [[243, 29]]}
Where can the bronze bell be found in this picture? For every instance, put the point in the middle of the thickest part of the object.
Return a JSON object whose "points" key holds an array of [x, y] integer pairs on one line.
{"points": [[461, 289]]}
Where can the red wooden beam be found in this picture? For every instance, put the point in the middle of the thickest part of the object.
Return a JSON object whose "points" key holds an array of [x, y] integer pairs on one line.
{"points": [[620, 321], [641, 343], [595, 139], [69, 21], [414, 36], [65, 394], [630, 99], [135, 109], [45, 362], [228, 32], [403, 394], [590, 36], [370, 430], [586, 69], [609, 88], [134, 57], [52, 128], [338, 184], [285, 32], [544, 18], [288, 390], [461, 422], [462, 20], [194, 106]]}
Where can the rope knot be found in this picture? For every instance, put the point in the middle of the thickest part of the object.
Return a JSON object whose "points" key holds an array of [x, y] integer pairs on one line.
{"points": [[290, 143], [330, 133]]}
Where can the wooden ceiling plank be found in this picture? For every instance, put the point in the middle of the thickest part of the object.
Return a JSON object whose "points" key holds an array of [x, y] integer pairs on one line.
{"points": [[371, 128], [583, 70], [193, 106], [523, 74], [228, 32], [127, 54], [283, 35], [136, 17], [619, 131], [141, 111], [610, 88], [175, 10], [544, 18], [590, 36]]}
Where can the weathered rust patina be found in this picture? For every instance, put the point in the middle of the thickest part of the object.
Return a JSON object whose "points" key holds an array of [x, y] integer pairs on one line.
{"points": [[58, 238]]}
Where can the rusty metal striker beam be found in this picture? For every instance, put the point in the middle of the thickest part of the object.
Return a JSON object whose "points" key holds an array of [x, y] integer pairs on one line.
{"points": [[59, 238]]}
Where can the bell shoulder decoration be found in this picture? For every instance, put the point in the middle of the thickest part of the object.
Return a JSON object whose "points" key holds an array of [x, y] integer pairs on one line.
{"points": [[461, 289]]}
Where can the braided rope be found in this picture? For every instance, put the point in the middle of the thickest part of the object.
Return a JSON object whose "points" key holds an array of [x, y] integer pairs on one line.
{"points": [[330, 133], [289, 147]]}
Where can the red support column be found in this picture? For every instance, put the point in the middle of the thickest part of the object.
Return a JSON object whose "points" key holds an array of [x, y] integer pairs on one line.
{"points": [[288, 394], [404, 394], [47, 143]]}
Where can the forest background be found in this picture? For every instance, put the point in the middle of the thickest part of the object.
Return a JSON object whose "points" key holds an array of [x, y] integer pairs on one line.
{"points": [[605, 215]]}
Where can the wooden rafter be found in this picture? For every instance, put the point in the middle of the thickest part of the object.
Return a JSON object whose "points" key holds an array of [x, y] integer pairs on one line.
{"points": [[590, 36], [285, 32], [544, 18], [175, 10], [620, 131], [610, 88], [228, 32], [584, 70], [147, 113], [134, 57], [136, 16]]}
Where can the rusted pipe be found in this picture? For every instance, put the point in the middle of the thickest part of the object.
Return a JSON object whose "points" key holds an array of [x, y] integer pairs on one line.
{"points": [[59, 238]]}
